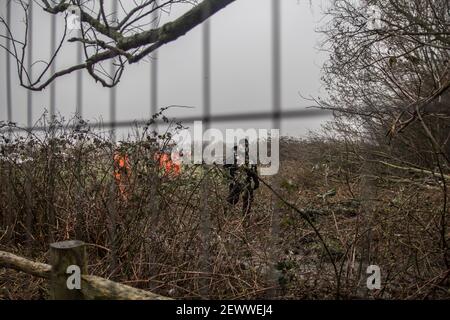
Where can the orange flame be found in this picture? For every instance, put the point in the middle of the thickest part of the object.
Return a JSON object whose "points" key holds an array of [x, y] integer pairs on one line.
{"points": [[167, 164], [122, 173]]}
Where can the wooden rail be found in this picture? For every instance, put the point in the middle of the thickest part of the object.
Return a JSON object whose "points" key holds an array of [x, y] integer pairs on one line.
{"points": [[72, 253]]}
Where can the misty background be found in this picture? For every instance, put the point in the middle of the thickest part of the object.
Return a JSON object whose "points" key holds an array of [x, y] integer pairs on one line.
{"points": [[240, 69]]}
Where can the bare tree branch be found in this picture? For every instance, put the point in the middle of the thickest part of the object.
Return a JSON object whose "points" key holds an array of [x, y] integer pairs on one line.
{"points": [[103, 40]]}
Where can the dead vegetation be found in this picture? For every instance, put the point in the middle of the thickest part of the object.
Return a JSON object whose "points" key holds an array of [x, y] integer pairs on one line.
{"points": [[59, 185]]}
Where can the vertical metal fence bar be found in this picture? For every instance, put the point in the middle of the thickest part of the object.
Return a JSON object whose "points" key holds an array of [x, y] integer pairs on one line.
{"points": [[207, 74], [154, 178], [29, 65], [53, 65], [79, 93], [50, 208], [112, 203], [8, 66], [154, 70], [28, 168], [5, 174], [205, 212], [276, 63], [367, 194], [113, 91], [112, 109], [276, 124]]}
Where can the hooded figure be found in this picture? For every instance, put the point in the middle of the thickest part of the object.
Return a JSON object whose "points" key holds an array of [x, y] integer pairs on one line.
{"points": [[242, 180], [122, 173]]}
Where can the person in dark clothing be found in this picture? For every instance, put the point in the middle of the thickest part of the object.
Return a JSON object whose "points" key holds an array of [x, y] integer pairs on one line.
{"points": [[243, 180]]}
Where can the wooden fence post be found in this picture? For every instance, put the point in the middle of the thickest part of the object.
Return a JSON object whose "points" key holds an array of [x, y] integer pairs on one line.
{"points": [[62, 255]]}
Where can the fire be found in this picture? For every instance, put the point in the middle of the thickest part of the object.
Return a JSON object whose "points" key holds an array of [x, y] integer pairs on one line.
{"points": [[122, 173], [169, 164], [171, 167]]}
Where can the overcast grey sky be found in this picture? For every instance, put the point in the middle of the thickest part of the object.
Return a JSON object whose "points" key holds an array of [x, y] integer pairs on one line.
{"points": [[241, 68]]}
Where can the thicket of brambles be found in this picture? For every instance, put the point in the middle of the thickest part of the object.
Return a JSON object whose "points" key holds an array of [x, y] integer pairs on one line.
{"points": [[60, 184]]}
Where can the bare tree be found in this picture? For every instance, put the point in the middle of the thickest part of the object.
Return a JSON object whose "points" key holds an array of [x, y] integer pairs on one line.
{"points": [[389, 65], [126, 36]]}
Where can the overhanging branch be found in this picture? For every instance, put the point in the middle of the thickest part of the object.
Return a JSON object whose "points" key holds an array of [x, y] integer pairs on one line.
{"points": [[115, 44]]}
